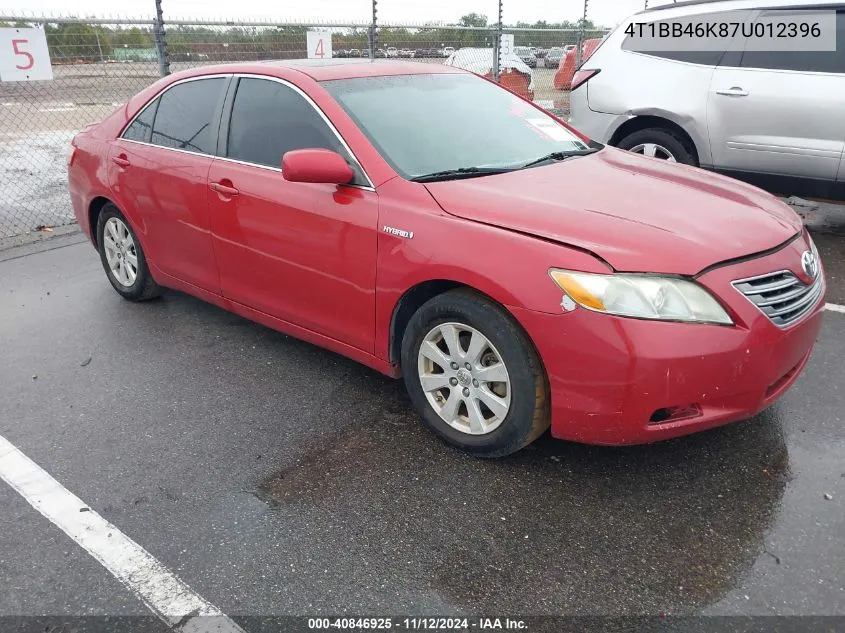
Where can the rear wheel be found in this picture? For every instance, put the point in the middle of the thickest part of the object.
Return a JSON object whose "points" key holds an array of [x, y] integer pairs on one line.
{"points": [[123, 258], [473, 375], [659, 143]]}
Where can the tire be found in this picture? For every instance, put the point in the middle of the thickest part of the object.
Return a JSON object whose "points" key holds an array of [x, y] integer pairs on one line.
{"points": [[526, 390], [663, 138], [139, 286]]}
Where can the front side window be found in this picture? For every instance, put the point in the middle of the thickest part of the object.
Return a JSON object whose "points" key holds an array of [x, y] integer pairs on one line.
{"points": [[435, 122], [270, 118], [185, 116]]}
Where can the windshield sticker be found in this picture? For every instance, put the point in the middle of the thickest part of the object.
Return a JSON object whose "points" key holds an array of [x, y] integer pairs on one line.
{"points": [[551, 129]]}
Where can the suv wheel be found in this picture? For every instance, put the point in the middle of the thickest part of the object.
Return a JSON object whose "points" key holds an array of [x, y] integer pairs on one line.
{"points": [[659, 143]]}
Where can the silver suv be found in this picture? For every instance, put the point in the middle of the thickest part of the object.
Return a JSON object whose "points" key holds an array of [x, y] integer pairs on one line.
{"points": [[774, 119]]}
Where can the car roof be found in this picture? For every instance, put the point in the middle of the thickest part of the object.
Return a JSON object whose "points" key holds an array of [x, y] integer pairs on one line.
{"points": [[326, 69]]}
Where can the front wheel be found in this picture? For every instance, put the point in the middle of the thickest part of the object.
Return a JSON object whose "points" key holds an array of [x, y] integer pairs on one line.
{"points": [[473, 375]]}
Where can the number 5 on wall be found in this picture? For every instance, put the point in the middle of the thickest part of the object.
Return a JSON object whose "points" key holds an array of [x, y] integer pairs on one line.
{"points": [[24, 55]]}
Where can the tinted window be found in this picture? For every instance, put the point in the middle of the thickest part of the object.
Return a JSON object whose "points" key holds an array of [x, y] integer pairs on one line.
{"points": [[639, 41], [143, 123], [184, 117], [807, 61], [269, 119]]}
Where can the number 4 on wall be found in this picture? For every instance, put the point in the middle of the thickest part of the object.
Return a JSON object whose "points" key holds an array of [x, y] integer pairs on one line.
{"points": [[24, 55]]}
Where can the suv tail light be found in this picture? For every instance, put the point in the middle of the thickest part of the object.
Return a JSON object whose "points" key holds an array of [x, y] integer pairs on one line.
{"points": [[583, 76]]}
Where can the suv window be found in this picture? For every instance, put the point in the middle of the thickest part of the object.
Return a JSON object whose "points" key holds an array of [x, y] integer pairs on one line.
{"points": [[140, 128], [807, 61], [185, 113], [638, 44], [270, 118]]}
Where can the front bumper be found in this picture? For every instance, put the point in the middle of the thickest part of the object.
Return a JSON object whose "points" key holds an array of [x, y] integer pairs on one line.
{"points": [[609, 375]]}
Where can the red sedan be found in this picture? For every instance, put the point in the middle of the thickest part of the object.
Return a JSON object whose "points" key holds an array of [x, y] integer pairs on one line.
{"points": [[430, 224]]}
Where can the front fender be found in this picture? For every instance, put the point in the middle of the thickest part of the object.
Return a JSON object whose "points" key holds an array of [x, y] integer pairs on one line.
{"points": [[509, 267]]}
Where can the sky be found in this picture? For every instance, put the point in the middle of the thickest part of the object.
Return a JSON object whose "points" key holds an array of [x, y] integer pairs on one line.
{"points": [[602, 12]]}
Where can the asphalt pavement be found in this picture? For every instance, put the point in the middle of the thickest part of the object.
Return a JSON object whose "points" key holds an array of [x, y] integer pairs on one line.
{"points": [[277, 478]]}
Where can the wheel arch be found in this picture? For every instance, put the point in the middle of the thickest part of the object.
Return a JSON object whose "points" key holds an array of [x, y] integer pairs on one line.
{"points": [[94, 208], [413, 299], [645, 121]]}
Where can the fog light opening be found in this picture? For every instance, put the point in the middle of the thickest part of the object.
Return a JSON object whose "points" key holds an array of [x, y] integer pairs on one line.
{"points": [[674, 414]]}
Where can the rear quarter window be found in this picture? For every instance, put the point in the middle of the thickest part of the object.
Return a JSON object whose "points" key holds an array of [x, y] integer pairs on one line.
{"points": [[684, 49], [141, 128]]}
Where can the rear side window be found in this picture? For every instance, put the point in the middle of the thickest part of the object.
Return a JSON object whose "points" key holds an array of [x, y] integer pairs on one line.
{"points": [[270, 118], [184, 119], [637, 43], [807, 61], [141, 127]]}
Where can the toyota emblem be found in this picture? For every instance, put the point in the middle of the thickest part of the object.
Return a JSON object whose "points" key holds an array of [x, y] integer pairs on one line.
{"points": [[809, 264]]}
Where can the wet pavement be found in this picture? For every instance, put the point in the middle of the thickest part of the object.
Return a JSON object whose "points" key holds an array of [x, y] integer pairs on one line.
{"points": [[278, 478]]}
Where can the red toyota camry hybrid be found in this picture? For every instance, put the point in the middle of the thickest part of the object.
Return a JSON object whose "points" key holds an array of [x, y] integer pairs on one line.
{"points": [[430, 224]]}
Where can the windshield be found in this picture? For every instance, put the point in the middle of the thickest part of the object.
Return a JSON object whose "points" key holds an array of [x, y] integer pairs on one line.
{"points": [[422, 124]]}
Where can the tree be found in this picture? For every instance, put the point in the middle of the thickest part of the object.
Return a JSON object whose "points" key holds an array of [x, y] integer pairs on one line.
{"points": [[473, 19], [74, 40]]}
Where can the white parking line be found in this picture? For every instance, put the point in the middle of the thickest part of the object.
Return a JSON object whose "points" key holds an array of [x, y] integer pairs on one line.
{"points": [[174, 602], [834, 307]]}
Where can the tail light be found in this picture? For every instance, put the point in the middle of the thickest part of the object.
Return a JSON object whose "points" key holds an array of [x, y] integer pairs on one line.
{"points": [[583, 76]]}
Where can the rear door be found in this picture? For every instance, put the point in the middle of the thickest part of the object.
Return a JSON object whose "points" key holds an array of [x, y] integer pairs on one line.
{"points": [[159, 172], [779, 112]]}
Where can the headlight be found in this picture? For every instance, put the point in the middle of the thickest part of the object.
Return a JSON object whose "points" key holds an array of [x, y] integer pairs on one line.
{"points": [[641, 296]]}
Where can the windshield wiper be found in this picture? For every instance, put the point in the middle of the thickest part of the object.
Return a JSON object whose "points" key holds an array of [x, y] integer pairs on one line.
{"points": [[558, 156], [461, 172]]}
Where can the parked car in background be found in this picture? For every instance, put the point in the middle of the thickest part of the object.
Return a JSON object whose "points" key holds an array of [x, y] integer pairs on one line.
{"points": [[353, 52], [770, 118], [380, 53], [392, 51], [540, 53], [564, 77], [406, 53], [377, 211], [514, 73], [553, 57], [569, 47], [420, 53], [448, 50], [526, 55], [338, 53]]}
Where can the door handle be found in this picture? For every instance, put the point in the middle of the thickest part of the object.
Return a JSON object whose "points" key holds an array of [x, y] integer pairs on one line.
{"points": [[224, 190], [734, 91], [121, 161]]}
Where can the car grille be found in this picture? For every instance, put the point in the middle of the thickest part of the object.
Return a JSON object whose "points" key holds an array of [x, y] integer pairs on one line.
{"points": [[781, 296]]}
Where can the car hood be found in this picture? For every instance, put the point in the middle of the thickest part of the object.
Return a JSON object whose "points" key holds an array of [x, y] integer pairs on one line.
{"points": [[638, 214]]}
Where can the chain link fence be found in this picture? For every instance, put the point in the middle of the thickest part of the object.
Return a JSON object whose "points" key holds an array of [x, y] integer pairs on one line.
{"points": [[100, 63]]}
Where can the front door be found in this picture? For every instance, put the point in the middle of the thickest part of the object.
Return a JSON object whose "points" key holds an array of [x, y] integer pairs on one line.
{"points": [[302, 252]]}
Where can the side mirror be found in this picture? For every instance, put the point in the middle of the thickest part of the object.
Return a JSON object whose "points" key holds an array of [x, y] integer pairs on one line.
{"points": [[316, 165]]}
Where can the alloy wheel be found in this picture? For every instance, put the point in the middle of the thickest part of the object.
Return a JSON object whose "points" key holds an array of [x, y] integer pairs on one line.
{"points": [[464, 378], [121, 254]]}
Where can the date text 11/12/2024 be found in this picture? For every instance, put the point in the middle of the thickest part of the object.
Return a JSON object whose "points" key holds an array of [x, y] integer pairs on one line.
{"points": [[418, 624]]}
